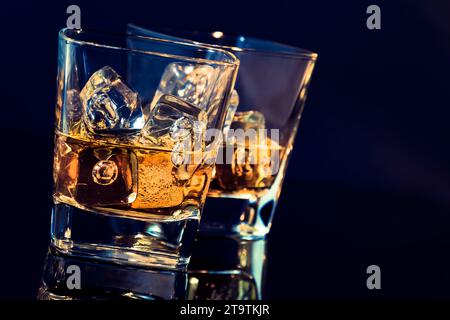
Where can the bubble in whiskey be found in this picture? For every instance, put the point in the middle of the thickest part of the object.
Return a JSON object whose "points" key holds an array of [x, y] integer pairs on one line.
{"points": [[105, 172]]}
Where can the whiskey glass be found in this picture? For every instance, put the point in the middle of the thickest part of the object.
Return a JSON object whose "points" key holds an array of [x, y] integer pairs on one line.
{"points": [[270, 93], [132, 161]]}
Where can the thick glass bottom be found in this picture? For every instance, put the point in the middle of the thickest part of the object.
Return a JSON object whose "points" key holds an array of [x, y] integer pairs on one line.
{"points": [[246, 216], [165, 244], [107, 281]]}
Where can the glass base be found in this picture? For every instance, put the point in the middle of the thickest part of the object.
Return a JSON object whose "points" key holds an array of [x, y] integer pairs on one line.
{"points": [[107, 281], [237, 217], [165, 244], [227, 269]]}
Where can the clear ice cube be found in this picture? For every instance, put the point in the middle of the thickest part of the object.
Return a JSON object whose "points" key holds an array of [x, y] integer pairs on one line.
{"points": [[192, 83], [173, 121], [181, 127], [246, 128], [109, 104]]}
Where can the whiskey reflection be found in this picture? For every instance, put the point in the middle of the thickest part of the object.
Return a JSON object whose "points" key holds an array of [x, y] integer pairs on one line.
{"points": [[220, 269], [227, 269]]}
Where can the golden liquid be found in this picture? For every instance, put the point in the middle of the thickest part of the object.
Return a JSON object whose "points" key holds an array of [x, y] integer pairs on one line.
{"points": [[126, 179], [251, 167]]}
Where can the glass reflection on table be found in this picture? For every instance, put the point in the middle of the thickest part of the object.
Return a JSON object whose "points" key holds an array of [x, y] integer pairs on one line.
{"points": [[220, 269], [227, 269]]}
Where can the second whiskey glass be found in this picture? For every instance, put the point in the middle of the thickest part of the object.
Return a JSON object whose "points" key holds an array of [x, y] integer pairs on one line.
{"points": [[270, 93]]}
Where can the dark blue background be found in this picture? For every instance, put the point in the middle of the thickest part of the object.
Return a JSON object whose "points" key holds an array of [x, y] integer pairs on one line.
{"points": [[368, 183]]}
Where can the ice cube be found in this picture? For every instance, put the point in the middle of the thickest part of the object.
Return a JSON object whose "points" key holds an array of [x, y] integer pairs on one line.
{"points": [[157, 187], [231, 110], [73, 110], [109, 104], [248, 120], [250, 166], [192, 83], [249, 157], [106, 176], [65, 168], [173, 121], [180, 126], [246, 128]]}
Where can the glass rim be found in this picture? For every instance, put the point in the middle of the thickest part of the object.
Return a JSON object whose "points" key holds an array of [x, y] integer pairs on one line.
{"points": [[232, 61], [296, 53]]}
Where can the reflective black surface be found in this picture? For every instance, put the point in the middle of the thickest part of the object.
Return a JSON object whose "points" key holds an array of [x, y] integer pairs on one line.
{"points": [[102, 281], [221, 269]]}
